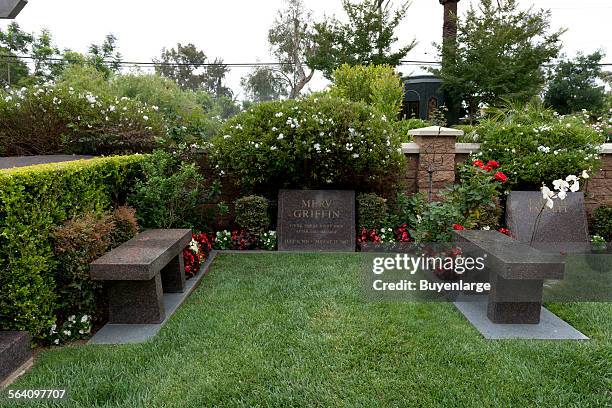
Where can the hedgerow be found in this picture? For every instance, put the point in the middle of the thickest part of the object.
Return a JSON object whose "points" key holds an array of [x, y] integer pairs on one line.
{"points": [[33, 201]]}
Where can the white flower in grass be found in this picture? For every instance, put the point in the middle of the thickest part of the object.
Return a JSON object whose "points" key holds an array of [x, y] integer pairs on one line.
{"points": [[279, 114], [585, 175], [84, 319], [111, 108], [486, 228], [71, 318], [81, 331], [56, 341], [280, 137], [145, 117], [193, 246], [355, 155], [544, 149], [272, 148], [67, 332], [317, 147], [226, 137]]}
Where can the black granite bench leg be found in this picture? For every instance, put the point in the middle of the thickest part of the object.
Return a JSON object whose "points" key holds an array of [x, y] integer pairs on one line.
{"points": [[514, 301], [173, 275], [136, 302]]}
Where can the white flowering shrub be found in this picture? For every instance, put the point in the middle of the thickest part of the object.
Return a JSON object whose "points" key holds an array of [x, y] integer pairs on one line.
{"points": [[46, 119], [536, 145], [310, 143], [74, 328], [223, 240], [267, 241]]}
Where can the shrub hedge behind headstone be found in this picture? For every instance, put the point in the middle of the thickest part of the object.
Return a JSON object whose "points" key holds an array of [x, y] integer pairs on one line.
{"points": [[318, 142]]}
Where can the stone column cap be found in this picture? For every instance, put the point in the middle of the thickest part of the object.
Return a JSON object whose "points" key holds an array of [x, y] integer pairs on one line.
{"points": [[435, 131]]}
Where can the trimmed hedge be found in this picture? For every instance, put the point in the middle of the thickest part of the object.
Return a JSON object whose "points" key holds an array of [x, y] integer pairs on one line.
{"points": [[33, 200]]}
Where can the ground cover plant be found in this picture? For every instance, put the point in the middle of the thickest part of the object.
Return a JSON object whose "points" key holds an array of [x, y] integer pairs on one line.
{"points": [[271, 330]]}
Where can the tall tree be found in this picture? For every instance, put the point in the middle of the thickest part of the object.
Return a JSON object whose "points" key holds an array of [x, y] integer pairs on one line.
{"points": [[188, 67], [182, 64], [291, 43], [499, 54], [573, 85], [263, 84], [13, 41], [105, 57], [214, 76], [366, 39], [45, 55]]}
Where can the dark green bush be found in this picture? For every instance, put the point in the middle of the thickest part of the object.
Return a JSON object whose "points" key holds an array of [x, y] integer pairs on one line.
{"points": [[371, 211], [311, 143], [168, 194], [602, 222], [252, 214], [33, 200]]}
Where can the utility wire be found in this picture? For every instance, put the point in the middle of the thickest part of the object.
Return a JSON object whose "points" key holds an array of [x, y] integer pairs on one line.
{"points": [[8, 58]]}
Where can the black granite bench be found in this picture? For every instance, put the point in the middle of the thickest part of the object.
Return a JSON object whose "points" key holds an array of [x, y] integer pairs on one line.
{"points": [[516, 273], [139, 271]]}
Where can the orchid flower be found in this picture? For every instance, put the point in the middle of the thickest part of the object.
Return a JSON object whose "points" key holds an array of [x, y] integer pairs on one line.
{"points": [[548, 195]]}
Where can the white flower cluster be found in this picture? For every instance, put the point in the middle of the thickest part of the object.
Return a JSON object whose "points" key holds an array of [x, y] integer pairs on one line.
{"points": [[561, 187], [267, 240], [71, 329]]}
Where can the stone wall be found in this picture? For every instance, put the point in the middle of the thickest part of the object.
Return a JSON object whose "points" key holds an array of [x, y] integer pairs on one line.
{"points": [[443, 155]]}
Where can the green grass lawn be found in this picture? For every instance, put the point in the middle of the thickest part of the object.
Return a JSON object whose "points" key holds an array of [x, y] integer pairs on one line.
{"points": [[270, 330]]}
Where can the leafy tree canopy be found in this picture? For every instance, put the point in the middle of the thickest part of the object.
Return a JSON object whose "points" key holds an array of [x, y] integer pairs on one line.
{"points": [[366, 39], [499, 54], [573, 85]]}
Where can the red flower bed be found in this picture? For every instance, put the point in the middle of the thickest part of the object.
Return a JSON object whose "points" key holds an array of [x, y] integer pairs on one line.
{"points": [[194, 259]]}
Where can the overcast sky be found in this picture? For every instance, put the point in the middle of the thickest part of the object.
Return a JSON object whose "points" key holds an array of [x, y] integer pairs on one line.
{"points": [[236, 30]]}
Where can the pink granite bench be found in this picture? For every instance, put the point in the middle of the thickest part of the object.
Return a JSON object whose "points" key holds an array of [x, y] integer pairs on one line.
{"points": [[139, 271]]}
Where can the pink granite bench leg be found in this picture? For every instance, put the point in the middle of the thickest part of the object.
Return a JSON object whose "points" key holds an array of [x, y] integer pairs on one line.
{"points": [[136, 302]]}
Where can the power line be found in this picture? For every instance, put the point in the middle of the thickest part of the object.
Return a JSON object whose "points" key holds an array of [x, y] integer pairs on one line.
{"points": [[8, 58]]}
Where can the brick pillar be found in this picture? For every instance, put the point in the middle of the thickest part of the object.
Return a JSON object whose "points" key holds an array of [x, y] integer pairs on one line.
{"points": [[436, 154]]}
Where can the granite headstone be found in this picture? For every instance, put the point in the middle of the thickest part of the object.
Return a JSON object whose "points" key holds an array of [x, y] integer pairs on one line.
{"points": [[562, 228], [316, 220]]}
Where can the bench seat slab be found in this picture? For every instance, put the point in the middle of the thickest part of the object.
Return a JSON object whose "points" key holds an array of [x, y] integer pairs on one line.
{"points": [[142, 257], [136, 302]]}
